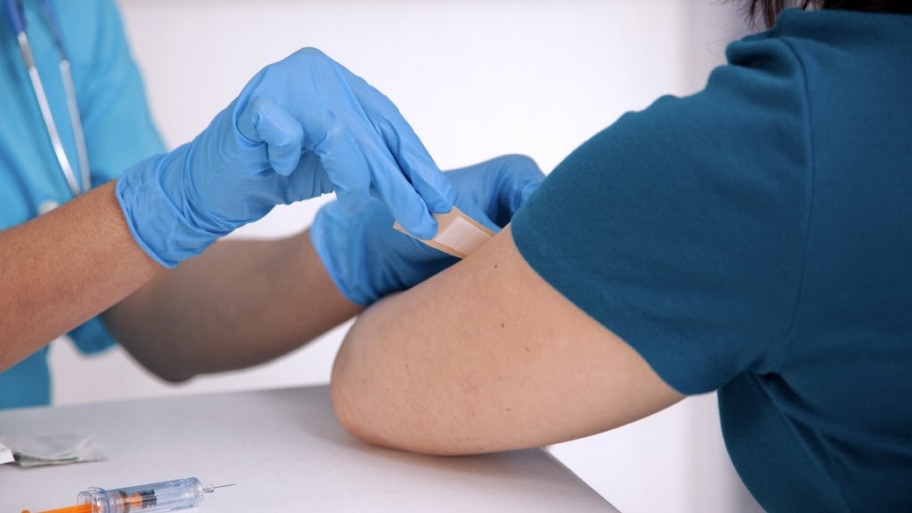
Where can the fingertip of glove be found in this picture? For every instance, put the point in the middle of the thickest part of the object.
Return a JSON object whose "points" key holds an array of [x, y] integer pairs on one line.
{"points": [[283, 161], [441, 199], [424, 228]]}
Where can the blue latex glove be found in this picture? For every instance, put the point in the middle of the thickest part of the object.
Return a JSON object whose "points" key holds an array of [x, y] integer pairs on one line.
{"points": [[368, 259], [301, 127]]}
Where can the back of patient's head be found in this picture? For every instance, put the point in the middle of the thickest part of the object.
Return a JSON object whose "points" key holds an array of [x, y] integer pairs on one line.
{"points": [[767, 10]]}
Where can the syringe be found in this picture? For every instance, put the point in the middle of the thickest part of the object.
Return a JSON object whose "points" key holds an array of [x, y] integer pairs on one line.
{"points": [[164, 496]]}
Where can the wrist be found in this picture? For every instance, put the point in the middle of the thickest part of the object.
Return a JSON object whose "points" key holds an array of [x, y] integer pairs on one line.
{"points": [[158, 216]]}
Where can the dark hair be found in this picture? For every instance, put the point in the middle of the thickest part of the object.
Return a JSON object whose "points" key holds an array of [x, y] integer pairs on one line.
{"points": [[769, 9]]}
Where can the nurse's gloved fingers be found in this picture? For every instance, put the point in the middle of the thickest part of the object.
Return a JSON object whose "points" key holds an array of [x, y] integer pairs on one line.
{"points": [[402, 142], [309, 178], [344, 162], [359, 162], [416, 163], [520, 176], [263, 120], [405, 204], [498, 187], [357, 171], [390, 183]]}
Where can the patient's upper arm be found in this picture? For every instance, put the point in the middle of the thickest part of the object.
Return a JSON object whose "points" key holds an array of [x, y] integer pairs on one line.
{"points": [[487, 356]]}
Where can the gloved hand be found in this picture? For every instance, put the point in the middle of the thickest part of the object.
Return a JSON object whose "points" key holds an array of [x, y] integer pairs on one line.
{"points": [[368, 259], [301, 127]]}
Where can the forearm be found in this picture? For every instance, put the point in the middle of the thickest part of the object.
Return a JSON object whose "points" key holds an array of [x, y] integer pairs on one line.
{"points": [[240, 303], [64, 267]]}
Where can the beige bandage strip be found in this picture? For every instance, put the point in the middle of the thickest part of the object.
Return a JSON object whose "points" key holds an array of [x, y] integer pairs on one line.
{"points": [[457, 234]]}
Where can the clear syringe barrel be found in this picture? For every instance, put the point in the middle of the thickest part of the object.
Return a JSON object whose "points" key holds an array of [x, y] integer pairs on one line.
{"points": [[164, 496]]}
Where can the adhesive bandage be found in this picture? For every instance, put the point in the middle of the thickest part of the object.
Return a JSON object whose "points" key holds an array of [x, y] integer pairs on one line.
{"points": [[457, 234]]}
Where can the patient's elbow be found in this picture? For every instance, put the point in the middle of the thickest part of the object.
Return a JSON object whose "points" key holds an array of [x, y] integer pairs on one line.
{"points": [[349, 395], [347, 412], [166, 371], [368, 414]]}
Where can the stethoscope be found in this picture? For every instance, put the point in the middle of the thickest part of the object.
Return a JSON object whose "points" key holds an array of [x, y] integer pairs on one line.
{"points": [[16, 17]]}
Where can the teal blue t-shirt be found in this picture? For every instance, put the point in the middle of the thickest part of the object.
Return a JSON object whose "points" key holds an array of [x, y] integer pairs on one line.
{"points": [[118, 132], [756, 239]]}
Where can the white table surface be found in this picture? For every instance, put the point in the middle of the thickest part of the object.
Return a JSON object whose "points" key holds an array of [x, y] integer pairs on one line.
{"points": [[285, 452]]}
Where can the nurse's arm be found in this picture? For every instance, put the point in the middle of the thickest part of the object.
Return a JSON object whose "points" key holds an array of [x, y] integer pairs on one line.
{"points": [[487, 356], [240, 303], [62, 268]]}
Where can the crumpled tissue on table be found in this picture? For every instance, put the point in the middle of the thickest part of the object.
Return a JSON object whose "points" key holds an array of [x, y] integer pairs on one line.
{"points": [[34, 451]]}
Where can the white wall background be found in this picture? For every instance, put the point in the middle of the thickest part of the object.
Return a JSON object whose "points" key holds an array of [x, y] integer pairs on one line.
{"points": [[476, 79]]}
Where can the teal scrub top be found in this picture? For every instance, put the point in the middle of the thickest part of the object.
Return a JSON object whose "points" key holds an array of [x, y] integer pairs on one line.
{"points": [[118, 132], [756, 239]]}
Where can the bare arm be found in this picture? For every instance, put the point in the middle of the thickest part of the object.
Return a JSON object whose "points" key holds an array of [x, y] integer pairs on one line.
{"points": [[486, 356], [240, 303], [63, 268]]}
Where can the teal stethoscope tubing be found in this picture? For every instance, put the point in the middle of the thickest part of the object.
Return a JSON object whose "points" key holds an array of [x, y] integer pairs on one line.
{"points": [[16, 19]]}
